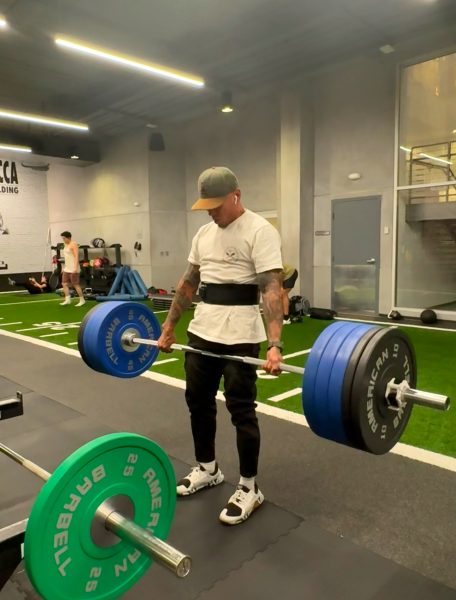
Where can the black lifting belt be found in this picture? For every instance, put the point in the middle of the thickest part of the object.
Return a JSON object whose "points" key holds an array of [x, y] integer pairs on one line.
{"points": [[229, 294]]}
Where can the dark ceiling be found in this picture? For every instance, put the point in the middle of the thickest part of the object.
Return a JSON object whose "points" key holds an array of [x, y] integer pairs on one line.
{"points": [[240, 45]]}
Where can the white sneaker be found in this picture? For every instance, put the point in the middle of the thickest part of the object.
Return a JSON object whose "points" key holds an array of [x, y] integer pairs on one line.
{"points": [[65, 302], [287, 322], [81, 302], [197, 479], [241, 505]]}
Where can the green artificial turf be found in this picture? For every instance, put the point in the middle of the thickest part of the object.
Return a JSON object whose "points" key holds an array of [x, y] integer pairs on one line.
{"points": [[435, 350]]}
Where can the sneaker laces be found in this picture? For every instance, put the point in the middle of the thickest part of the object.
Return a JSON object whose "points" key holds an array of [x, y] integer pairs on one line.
{"points": [[239, 495]]}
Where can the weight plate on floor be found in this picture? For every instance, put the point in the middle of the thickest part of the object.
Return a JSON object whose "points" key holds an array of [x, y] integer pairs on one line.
{"points": [[100, 342], [63, 556], [324, 376], [388, 354]]}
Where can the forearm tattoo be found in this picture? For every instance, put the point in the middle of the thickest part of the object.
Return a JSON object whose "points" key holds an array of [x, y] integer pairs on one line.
{"points": [[270, 284], [183, 298]]}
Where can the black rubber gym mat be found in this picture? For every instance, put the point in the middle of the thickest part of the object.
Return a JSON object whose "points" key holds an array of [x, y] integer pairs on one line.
{"points": [[39, 412], [312, 563], [9, 388], [216, 549], [46, 446]]}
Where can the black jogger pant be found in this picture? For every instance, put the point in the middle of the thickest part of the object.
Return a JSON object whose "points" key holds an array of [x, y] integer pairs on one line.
{"points": [[203, 375]]}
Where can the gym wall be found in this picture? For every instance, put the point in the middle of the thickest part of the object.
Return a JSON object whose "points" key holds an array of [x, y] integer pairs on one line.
{"points": [[98, 200], [245, 140], [24, 217]]}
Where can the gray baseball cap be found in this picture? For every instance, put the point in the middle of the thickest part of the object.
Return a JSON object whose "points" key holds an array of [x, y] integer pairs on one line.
{"points": [[213, 185]]}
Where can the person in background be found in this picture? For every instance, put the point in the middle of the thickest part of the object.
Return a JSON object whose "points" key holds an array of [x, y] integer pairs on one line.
{"points": [[289, 274], [70, 272], [32, 285], [235, 257]]}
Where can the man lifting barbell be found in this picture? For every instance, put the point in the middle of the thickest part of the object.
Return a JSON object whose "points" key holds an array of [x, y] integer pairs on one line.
{"points": [[235, 257]]}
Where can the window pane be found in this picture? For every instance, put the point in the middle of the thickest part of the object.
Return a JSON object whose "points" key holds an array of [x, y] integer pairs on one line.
{"points": [[427, 128], [426, 249]]}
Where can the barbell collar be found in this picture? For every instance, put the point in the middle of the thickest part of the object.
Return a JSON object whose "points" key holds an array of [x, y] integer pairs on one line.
{"points": [[129, 340], [398, 394], [167, 555]]}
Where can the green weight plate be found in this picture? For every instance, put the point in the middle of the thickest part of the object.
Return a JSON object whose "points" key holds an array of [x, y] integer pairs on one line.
{"points": [[63, 557]]}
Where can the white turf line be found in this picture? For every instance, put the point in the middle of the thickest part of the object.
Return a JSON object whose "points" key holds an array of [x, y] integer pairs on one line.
{"points": [[31, 302], [425, 456], [162, 362], [53, 334], [15, 323], [58, 325], [395, 324], [300, 353], [289, 394]]}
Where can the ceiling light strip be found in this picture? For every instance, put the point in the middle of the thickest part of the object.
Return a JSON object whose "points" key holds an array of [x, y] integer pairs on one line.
{"points": [[41, 120], [129, 61], [15, 148]]}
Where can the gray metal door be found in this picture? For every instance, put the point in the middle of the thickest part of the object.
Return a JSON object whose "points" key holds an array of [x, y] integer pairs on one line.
{"points": [[355, 262]]}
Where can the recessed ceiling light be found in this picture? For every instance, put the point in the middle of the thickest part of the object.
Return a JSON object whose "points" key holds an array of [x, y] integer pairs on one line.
{"points": [[387, 49], [454, 131], [15, 148], [41, 120], [128, 61], [3, 22], [227, 102]]}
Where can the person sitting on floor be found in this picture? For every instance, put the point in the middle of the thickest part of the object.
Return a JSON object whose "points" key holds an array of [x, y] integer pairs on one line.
{"points": [[32, 285]]}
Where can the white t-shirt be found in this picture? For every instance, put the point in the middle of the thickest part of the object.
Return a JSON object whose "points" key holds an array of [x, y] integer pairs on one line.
{"points": [[71, 264], [234, 254]]}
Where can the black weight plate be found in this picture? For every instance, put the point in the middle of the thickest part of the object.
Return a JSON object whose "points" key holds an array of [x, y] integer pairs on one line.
{"points": [[348, 386], [388, 354]]}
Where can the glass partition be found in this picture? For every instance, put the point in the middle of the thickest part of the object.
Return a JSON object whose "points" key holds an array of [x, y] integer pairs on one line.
{"points": [[426, 200]]}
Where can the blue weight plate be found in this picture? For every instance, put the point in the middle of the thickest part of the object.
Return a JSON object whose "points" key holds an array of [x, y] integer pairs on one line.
{"points": [[102, 338], [309, 401], [330, 379], [81, 347], [324, 377]]}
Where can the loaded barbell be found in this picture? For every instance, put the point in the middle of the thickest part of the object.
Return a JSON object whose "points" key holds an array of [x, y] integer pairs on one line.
{"points": [[100, 519], [358, 384]]}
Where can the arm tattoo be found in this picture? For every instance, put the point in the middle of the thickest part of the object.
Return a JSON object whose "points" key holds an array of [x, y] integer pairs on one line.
{"points": [[183, 298], [270, 284]]}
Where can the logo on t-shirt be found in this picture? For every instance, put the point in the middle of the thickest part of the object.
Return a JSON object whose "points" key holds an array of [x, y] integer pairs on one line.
{"points": [[231, 254]]}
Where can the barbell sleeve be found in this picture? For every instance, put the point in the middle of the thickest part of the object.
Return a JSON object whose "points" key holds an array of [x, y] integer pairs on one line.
{"points": [[429, 399], [166, 555], [250, 360], [129, 531]]}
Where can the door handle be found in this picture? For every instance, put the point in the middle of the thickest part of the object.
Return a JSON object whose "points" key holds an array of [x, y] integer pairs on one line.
{"points": [[371, 261]]}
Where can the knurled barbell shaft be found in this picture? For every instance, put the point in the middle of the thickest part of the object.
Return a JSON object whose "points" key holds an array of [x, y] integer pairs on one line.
{"points": [[428, 399], [250, 360], [168, 556]]}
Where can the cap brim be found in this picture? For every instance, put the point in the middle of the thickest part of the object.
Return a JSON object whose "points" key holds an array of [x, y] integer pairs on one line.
{"points": [[207, 203]]}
